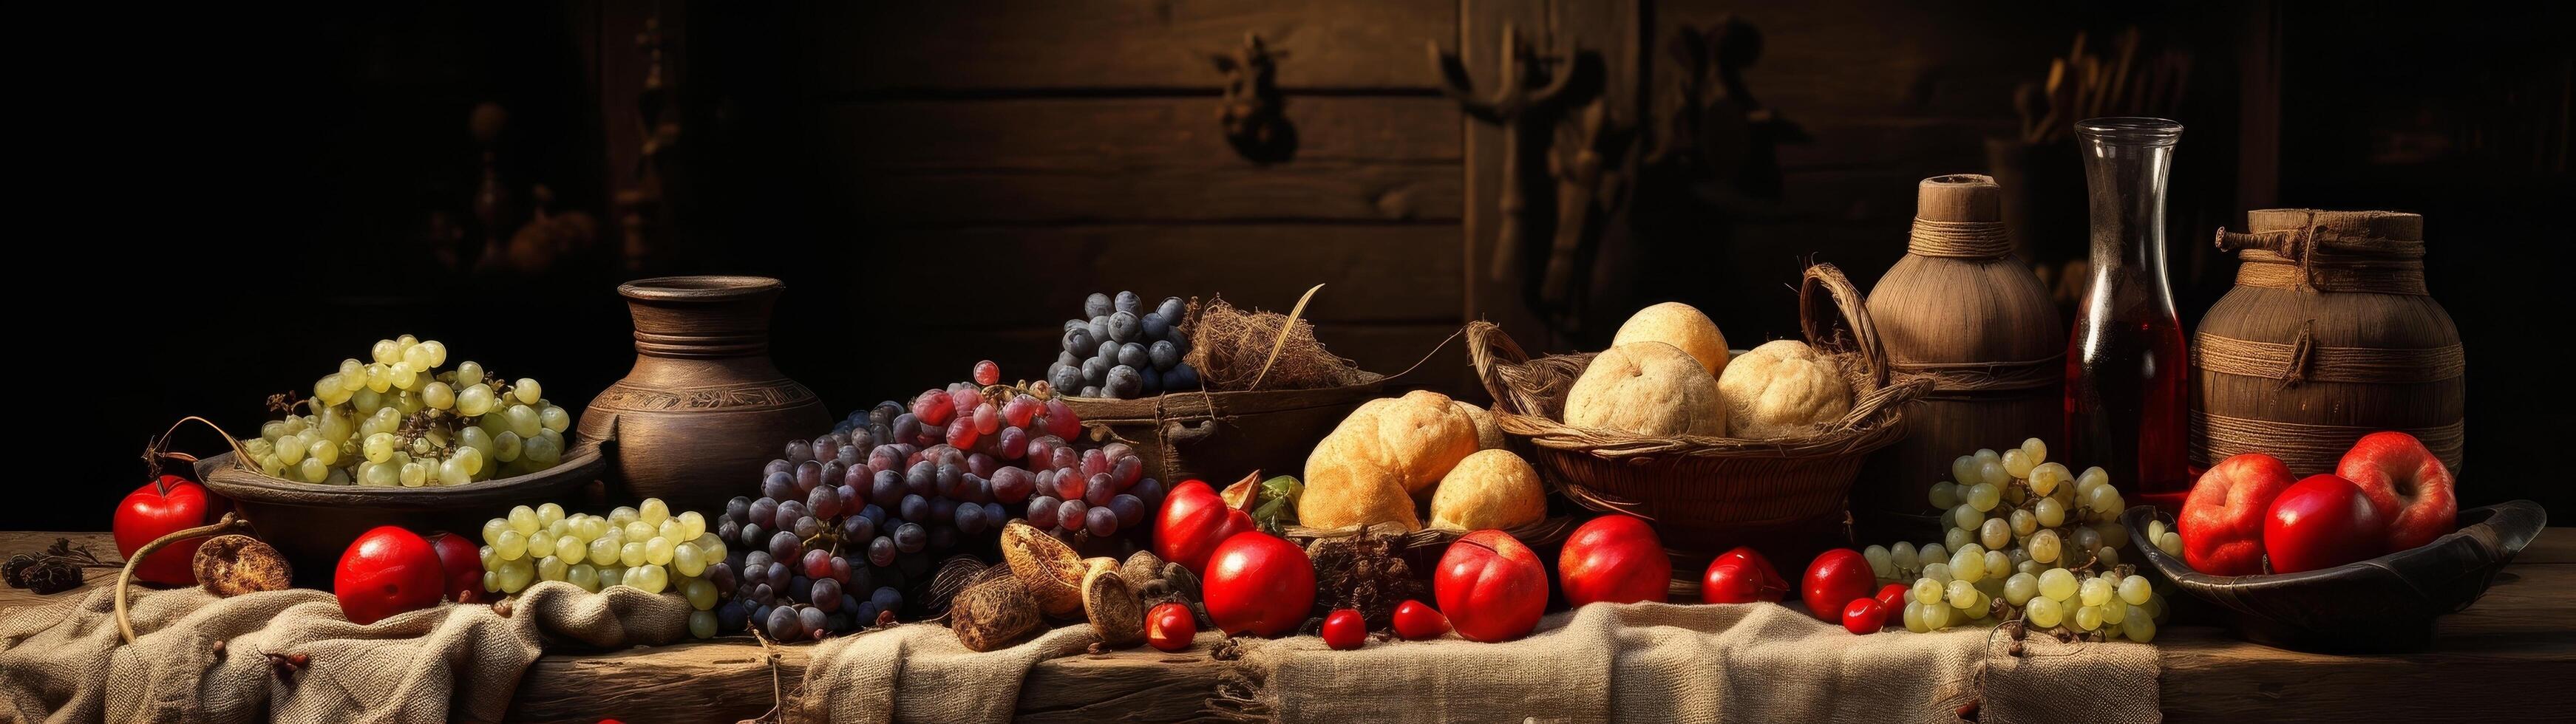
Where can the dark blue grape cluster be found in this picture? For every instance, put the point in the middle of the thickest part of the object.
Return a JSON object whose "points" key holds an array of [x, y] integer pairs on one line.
{"points": [[1124, 350]]}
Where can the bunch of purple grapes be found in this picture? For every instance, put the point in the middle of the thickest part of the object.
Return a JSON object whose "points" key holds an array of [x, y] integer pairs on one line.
{"points": [[1123, 349], [871, 506]]}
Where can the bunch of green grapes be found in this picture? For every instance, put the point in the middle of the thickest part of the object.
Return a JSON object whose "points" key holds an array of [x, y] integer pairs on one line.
{"points": [[401, 421], [645, 548], [2026, 539]]}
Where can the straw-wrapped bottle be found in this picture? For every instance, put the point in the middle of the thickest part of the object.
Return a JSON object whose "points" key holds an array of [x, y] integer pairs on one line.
{"points": [[1963, 311]]}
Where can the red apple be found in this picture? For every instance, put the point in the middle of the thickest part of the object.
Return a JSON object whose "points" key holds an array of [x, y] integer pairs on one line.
{"points": [[1171, 627], [2223, 517], [1835, 578], [2406, 485], [1192, 522], [461, 565], [1415, 621], [1492, 587], [387, 571], [1344, 630], [2322, 522], [162, 507], [1614, 559], [1259, 584], [1864, 615]]}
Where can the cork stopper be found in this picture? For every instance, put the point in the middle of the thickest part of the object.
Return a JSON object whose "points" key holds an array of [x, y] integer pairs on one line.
{"points": [[1963, 197]]}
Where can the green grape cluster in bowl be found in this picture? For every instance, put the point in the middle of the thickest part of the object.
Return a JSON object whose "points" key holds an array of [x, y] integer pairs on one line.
{"points": [[399, 421]]}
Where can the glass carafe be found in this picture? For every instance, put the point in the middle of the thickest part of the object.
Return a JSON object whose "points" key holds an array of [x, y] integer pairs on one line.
{"points": [[2126, 393]]}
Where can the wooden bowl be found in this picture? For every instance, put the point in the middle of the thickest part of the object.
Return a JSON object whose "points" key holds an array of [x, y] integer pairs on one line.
{"points": [[312, 523], [2382, 605]]}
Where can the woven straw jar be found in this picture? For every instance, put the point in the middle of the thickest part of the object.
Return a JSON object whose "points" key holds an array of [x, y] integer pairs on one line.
{"points": [[2329, 335], [1962, 311]]}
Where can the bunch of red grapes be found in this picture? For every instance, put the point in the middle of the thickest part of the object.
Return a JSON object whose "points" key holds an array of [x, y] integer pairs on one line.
{"points": [[872, 506]]}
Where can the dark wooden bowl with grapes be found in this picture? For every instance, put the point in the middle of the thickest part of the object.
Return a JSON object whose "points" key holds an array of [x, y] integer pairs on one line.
{"points": [[312, 523], [2381, 605]]}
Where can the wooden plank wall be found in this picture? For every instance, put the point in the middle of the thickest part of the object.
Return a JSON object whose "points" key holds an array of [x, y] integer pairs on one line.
{"points": [[1075, 147], [1892, 93]]}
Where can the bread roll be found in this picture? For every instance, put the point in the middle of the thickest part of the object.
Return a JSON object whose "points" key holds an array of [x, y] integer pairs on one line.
{"points": [[1680, 325], [1783, 388], [1488, 434], [1490, 489], [1646, 388], [1387, 452]]}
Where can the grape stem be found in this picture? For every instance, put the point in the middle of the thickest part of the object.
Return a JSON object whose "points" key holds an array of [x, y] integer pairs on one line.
{"points": [[229, 523]]}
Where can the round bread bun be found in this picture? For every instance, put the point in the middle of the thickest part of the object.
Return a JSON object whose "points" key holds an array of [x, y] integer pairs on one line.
{"points": [[1680, 325], [1489, 489], [1783, 388], [1646, 388]]}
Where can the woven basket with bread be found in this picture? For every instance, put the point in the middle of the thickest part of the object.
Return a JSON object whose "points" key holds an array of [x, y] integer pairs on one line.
{"points": [[1716, 450]]}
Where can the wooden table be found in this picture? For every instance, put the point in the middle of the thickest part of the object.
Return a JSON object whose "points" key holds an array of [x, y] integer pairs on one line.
{"points": [[2510, 657]]}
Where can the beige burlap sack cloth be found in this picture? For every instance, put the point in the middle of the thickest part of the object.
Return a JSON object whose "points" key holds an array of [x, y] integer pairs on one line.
{"points": [[1601, 663], [458, 662]]}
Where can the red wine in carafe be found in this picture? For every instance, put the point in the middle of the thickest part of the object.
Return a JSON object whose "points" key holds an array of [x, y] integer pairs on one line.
{"points": [[2125, 390]]}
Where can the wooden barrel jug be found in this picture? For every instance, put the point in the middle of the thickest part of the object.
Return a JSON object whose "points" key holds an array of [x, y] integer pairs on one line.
{"points": [[1961, 309], [2328, 335]]}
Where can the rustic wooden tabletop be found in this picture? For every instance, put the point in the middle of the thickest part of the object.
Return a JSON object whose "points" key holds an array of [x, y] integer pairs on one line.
{"points": [[2507, 658]]}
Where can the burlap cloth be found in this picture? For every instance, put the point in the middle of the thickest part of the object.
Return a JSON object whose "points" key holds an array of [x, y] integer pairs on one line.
{"points": [[1602, 663], [63, 663]]}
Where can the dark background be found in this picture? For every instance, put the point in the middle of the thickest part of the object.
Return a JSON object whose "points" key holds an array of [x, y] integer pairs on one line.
{"points": [[240, 197]]}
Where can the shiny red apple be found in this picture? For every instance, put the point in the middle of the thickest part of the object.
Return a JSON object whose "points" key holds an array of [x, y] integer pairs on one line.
{"points": [[2223, 517], [1259, 584], [1836, 578], [1492, 587], [162, 507], [1747, 577], [2322, 522], [1192, 521], [387, 571], [461, 566], [1613, 559], [2408, 487]]}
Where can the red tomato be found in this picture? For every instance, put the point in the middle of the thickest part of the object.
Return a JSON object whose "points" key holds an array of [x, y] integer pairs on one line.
{"points": [[1773, 587], [2322, 522], [1864, 616], [1259, 584], [1344, 630], [461, 566], [1613, 559], [1730, 582], [2222, 519], [1171, 627], [1192, 521], [162, 507], [387, 571], [1415, 621], [1835, 578], [1891, 597], [1492, 587]]}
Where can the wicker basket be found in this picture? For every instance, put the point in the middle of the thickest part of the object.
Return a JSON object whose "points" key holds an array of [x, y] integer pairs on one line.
{"points": [[1707, 494], [1220, 436]]}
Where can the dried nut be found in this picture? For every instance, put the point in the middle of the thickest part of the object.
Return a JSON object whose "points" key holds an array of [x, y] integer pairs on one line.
{"points": [[1049, 569], [1117, 616], [992, 614], [231, 565]]}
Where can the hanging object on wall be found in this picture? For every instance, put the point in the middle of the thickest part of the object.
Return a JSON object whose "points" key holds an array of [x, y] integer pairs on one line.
{"points": [[1589, 165], [500, 234], [1714, 133], [1525, 101], [1254, 113], [644, 211]]}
